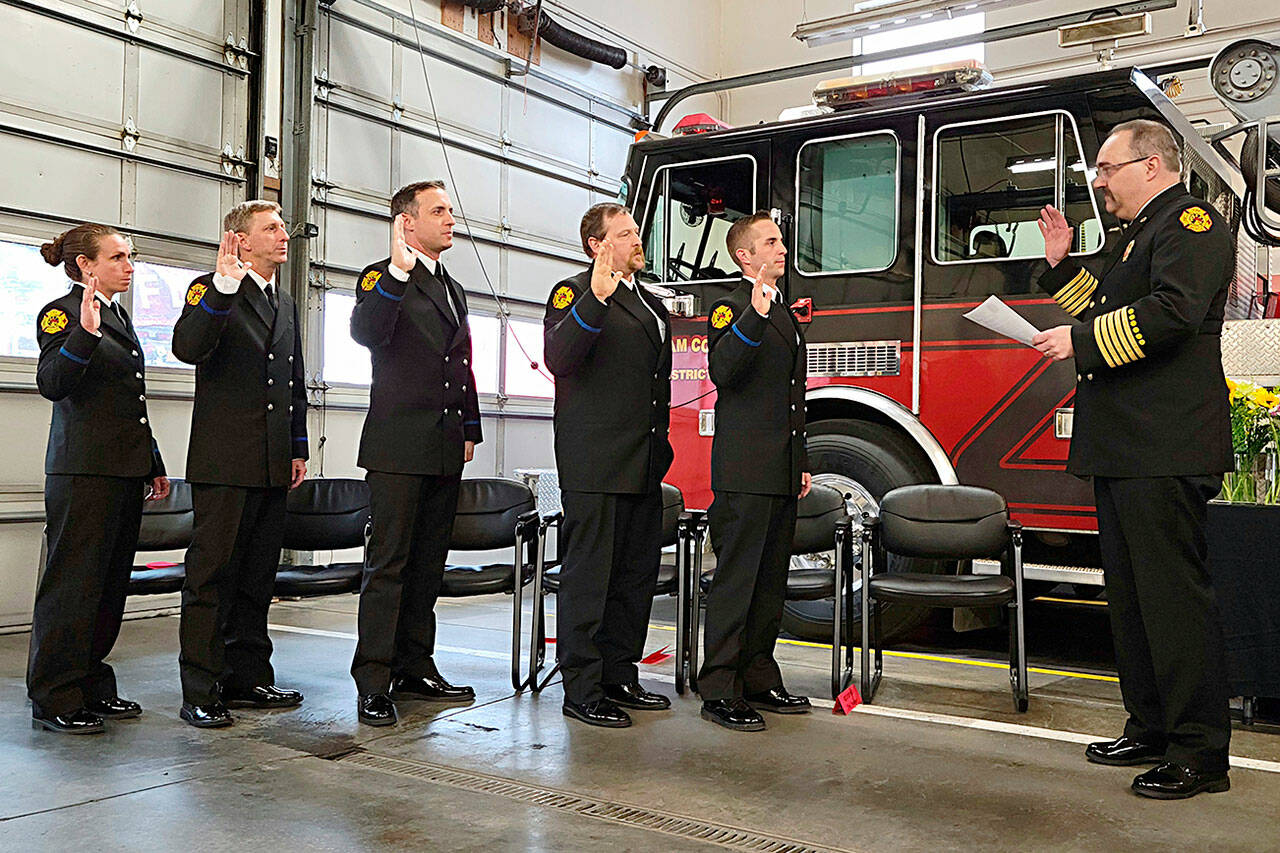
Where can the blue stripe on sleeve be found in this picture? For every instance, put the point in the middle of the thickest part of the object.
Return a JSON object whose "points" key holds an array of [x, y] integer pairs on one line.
{"points": [[215, 312], [745, 339], [390, 296], [574, 312], [77, 359]]}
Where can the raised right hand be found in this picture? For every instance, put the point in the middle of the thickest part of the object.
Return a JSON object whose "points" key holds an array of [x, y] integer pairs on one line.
{"points": [[760, 298], [1057, 234], [90, 307], [400, 255], [604, 278], [229, 263]]}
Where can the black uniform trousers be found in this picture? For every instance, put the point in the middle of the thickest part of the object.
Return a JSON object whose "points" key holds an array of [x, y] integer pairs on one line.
{"points": [[408, 543], [1164, 619], [231, 569], [612, 549], [752, 536], [92, 527]]}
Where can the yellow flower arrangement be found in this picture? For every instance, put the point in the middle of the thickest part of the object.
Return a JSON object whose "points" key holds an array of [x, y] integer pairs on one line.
{"points": [[1255, 437]]}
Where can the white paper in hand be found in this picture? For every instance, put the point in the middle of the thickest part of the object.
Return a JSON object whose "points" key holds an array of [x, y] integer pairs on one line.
{"points": [[1003, 320]]}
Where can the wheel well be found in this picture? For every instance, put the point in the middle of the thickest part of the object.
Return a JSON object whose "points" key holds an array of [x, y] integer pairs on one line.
{"points": [[850, 410]]}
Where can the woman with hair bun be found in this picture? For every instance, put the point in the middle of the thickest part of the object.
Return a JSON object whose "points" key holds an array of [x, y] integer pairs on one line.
{"points": [[101, 464]]}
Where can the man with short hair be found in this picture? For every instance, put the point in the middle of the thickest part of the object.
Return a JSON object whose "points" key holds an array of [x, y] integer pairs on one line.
{"points": [[248, 449], [422, 427], [759, 470], [608, 342], [1152, 428]]}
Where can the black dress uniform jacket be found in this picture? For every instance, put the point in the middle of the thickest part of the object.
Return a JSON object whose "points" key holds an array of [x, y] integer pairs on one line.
{"points": [[100, 425], [1151, 398], [250, 415], [423, 403], [613, 387], [758, 365]]}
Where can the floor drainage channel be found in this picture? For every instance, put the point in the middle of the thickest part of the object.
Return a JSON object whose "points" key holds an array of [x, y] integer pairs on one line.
{"points": [[729, 837]]}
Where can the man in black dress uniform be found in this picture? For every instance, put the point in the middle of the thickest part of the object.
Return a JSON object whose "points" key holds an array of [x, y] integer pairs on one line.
{"points": [[101, 456], [422, 427], [1152, 428], [608, 342], [248, 448], [759, 470]]}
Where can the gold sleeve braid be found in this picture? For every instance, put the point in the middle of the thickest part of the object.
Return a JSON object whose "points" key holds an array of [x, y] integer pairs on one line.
{"points": [[1119, 339], [1074, 296]]}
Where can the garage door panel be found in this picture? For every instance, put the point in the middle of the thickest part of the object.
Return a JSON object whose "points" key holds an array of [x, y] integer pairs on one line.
{"points": [[359, 60], [178, 203], [205, 17], [462, 98], [359, 153], [532, 277], [545, 206], [180, 99], [478, 185], [28, 75], [465, 269], [610, 151], [548, 129], [353, 240], [60, 180]]}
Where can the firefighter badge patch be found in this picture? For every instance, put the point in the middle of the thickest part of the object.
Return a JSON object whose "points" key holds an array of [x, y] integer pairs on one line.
{"points": [[1127, 250], [53, 321], [370, 280], [563, 298], [195, 294], [721, 317], [1196, 219]]}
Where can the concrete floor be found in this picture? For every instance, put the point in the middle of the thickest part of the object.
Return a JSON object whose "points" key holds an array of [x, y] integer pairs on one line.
{"points": [[510, 773]]}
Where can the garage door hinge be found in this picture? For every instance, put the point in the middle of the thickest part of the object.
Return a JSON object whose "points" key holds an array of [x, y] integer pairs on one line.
{"points": [[233, 161], [129, 134], [132, 16], [236, 53], [320, 185]]}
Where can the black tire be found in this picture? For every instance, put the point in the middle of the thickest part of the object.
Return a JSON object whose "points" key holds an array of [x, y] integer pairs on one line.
{"points": [[879, 459]]}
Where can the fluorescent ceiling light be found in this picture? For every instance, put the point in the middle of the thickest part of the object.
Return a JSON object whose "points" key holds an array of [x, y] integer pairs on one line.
{"points": [[883, 17]]}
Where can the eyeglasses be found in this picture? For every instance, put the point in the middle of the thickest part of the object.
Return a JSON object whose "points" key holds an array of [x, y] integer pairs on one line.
{"points": [[1106, 170]]}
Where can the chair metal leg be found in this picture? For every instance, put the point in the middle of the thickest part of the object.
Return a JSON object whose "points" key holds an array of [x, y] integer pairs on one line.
{"points": [[695, 604], [1017, 628], [841, 638], [537, 626], [517, 597], [682, 601], [865, 670]]}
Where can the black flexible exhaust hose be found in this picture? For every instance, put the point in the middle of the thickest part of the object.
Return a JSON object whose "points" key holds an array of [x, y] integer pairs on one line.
{"points": [[484, 7], [575, 43]]}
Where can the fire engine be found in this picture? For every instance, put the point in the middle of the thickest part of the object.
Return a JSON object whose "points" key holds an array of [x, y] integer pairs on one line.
{"points": [[906, 201]]}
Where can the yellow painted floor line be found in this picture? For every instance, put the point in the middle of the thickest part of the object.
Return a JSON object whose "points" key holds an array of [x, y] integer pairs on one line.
{"points": [[1061, 673], [1092, 602]]}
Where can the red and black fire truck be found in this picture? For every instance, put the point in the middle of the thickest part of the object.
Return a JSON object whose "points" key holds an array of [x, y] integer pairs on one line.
{"points": [[906, 202]]}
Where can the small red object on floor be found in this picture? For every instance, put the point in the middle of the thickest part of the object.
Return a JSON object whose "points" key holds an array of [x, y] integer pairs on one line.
{"points": [[848, 699], [660, 656]]}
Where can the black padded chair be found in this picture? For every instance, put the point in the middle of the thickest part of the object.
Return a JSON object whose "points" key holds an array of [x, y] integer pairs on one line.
{"points": [[167, 525], [942, 522], [495, 513], [547, 579], [821, 525], [324, 514]]}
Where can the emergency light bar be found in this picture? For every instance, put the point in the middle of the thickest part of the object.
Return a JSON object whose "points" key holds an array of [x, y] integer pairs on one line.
{"points": [[850, 91], [698, 123]]}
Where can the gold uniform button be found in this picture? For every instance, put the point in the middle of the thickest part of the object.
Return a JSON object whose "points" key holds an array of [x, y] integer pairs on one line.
{"points": [[270, 407], [1079, 378], [1089, 376], [446, 384], [290, 383], [142, 421], [1104, 300], [142, 398], [137, 376], [1092, 303], [134, 353], [271, 356], [291, 359], [270, 382]]}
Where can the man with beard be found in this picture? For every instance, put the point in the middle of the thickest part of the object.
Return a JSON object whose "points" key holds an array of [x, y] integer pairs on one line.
{"points": [[608, 342], [1152, 428]]}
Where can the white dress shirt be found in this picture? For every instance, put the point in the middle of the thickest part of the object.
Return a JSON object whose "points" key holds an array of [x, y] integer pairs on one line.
{"points": [[433, 266]]}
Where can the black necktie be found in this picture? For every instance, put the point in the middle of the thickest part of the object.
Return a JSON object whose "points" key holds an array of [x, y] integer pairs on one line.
{"points": [[115, 306], [271, 296], [448, 295]]}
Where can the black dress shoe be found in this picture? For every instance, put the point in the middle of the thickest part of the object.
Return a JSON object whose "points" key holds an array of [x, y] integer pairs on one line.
{"points": [[434, 688], [114, 708], [602, 712], [779, 701], [264, 696], [376, 709], [1171, 781], [733, 714], [79, 722], [1124, 752], [634, 696], [212, 716]]}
